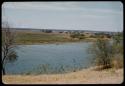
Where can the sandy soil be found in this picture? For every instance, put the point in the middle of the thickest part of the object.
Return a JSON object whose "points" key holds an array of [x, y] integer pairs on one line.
{"points": [[85, 76]]}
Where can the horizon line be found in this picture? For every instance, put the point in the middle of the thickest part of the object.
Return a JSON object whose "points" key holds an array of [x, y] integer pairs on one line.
{"points": [[61, 29]]}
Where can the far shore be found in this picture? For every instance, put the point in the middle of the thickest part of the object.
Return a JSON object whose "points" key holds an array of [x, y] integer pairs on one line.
{"points": [[57, 43], [85, 76], [32, 38]]}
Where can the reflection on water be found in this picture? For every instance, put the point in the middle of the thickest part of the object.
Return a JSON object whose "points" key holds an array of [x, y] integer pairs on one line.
{"points": [[50, 58]]}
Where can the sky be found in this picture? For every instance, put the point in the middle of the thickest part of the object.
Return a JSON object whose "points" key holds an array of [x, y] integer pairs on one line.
{"points": [[98, 16]]}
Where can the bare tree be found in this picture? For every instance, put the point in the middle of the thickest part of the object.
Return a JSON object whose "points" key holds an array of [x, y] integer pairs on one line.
{"points": [[8, 46]]}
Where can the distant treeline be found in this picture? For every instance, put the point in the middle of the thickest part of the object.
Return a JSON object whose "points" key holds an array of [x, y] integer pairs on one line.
{"points": [[61, 30]]}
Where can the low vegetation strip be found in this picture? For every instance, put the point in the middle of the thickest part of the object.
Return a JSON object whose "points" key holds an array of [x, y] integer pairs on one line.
{"points": [[35, 37], [85, 76], [41, 37]]}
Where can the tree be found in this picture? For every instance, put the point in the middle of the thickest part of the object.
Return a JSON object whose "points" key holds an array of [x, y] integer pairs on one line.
{"points": [[48, 31], [102, 52], [77, 35], [8, 46], [118, 50], [105, 52]]}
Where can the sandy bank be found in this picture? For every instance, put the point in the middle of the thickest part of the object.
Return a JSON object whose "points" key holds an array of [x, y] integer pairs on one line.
{"points": [[85, 76]]}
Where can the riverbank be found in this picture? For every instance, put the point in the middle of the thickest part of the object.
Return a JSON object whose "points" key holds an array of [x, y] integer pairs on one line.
{"points": [[56, 43], [48, 38], [85, 76]]}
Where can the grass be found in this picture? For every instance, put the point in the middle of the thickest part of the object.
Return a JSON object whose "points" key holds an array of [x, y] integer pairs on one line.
{"points": [[35, 37], [85, 76], [40, 37]]}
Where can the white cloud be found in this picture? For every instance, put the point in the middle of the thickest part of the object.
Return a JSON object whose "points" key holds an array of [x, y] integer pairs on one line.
{"points": [[76, 15], [60, 6], [34, 5]]}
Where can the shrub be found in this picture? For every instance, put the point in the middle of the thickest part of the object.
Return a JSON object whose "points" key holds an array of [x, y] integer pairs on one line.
{"points": [[108, 54], [77, 35], [117, 61], [102, 52]]}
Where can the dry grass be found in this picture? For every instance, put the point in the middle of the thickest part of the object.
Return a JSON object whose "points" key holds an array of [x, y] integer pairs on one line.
{"points": [[29, 37], [85, 76]]}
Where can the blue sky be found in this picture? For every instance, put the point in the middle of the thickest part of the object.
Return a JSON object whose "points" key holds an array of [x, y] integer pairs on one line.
{"points": [[102, 16]]}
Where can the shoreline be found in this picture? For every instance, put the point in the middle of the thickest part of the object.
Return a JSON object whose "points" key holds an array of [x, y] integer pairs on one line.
{"points": [[85, 76], [59, 42], [56, 43]]}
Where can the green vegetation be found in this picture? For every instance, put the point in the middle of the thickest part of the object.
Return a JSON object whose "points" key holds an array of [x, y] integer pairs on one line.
{"points": [[41, 37], [48, 37], [101, 35], [117, 62], [77, 35], [48, 69], [102, 51], [35, 37], [108, 54]]}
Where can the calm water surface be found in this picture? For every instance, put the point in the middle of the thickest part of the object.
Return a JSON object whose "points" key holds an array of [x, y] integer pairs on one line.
{"points": [[50, 58]]}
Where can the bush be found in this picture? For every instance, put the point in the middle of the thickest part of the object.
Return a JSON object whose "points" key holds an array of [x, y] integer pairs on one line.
{"points": [[102, 51], [108, 54], [92, 36], [117, 61], [77, 35]]}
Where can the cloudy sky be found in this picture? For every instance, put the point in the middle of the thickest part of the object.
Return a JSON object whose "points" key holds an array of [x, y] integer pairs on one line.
{"points": [[102, 16]]}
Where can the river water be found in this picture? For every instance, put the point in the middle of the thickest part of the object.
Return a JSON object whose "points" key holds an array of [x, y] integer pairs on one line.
{"points": [[50, 58]]}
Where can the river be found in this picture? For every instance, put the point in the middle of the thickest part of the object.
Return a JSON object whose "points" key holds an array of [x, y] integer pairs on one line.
{"points": [[50, 58]]}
